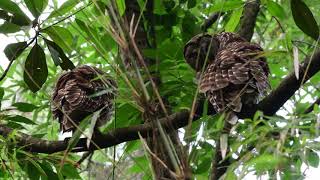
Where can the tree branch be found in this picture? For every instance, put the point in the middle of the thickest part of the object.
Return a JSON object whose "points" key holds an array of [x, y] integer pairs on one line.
{"points": [[270, 105], [248, 21]]}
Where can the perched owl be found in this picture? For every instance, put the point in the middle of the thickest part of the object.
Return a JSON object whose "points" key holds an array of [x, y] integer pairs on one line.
{"points": [[235, 72], [81, 92]]}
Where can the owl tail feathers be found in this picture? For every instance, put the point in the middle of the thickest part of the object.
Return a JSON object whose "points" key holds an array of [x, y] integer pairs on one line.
{"points": [[66, 125]]}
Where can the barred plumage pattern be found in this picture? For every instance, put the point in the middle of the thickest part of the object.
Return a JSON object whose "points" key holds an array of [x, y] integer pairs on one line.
{"points": [[235, 74], [81, 92]]}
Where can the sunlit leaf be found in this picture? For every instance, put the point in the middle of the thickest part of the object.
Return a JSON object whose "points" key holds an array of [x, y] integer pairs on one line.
{"points": [[60, 36], [36, 7], [275, 9], [234, 20], [121, 6], [313, 158], [64, 8], [20, 119], [7, 28]]}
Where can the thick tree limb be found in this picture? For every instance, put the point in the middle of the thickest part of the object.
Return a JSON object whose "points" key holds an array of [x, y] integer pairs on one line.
{"points": [[269, 106], [211, 19], [248, 21]]}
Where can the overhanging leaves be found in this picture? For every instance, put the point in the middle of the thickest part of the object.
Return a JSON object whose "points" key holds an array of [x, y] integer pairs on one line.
{"points": [[35, 69], [304, 19], [58, 56], [36, 7], [19, 17], [13, 51]]}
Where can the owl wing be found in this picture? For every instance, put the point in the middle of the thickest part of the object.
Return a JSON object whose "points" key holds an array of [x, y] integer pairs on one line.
{"points": [[235, 72]]}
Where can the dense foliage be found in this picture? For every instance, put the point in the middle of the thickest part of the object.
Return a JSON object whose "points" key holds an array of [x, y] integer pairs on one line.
{"points": [[52, 38]]}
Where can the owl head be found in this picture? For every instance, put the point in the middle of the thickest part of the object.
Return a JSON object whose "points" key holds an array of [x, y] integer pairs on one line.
{"points": [[197, 49]]}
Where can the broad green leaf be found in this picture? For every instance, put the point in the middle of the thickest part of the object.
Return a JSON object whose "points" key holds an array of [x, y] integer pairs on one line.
{"points": [[20, 119], [64, 8], [226, 5], [313, 158], [35, 69], [19, 17], [24, 107], [60, 36], [203, 166], [234, 20], [13, 51], [264, 162], [58, 56], [70, 171], [32, 171], [121, 4], [50, 174], [304, 19], [7, 28], [37, 166], [275, 9], [36, 7]]}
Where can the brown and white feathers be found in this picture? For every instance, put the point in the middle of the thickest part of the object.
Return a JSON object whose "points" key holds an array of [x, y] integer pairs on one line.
{"points": [[81, 92], [235, 72]]}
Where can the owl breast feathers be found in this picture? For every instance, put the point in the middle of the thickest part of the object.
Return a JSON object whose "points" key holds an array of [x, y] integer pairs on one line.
{"points": [[81, 92], [236, 73]]}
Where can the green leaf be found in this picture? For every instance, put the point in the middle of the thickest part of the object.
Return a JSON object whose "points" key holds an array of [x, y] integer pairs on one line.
{"points": [[20, 119], [37, 166], [234, 20], [32, 171], [64, 8], [58, 56], [19, 17], [304, 19], [76, 136], [313, 158], [276, 10], [70, 171], [264, 162], [226, 6], [36, 7], [8, 27], [1, 93], [121, 4], [35, 69], [60, 36], [14, 50], [24, 107], [50, 174], [191, 4]]}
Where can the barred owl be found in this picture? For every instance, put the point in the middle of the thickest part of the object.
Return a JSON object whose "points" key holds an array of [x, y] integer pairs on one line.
{"points": [[81, 92], [235, 73]]}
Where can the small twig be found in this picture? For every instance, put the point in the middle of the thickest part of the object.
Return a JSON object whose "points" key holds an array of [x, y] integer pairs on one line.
{"points": [[12, 60], [310, 108]]}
